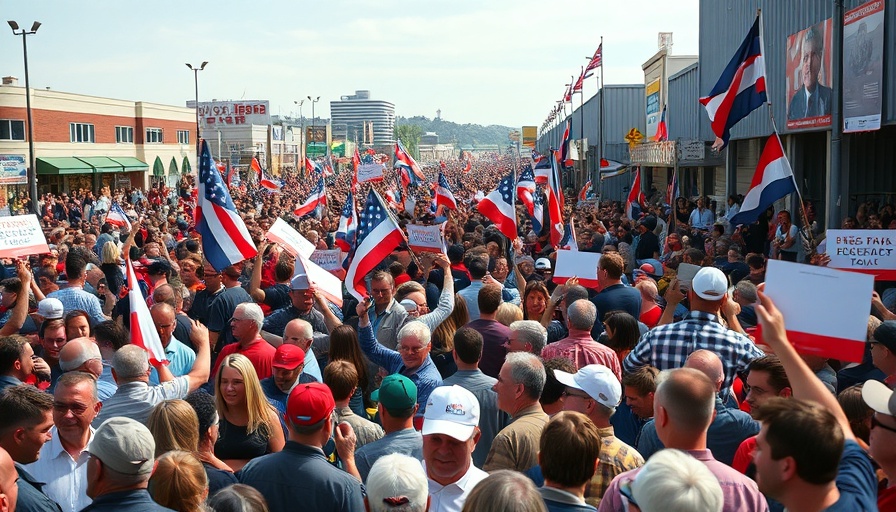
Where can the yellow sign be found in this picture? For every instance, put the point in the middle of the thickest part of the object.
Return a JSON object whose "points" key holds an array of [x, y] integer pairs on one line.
{"points": [[634, 137], [530, 133]]}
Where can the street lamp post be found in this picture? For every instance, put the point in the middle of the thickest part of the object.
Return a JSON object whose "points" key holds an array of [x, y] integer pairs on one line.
{"points": [[196, 71], [32, 171], [301, 135], [313, 101]]}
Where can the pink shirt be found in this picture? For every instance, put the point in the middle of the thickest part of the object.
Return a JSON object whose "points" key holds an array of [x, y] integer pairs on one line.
{"points": [[582, 350]]}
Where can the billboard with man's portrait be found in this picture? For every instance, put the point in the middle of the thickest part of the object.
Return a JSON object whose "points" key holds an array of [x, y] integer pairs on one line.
{"points": [[808, 77]]}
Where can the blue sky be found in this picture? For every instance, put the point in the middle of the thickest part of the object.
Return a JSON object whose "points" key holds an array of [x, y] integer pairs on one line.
{"points": [[486, 61]]}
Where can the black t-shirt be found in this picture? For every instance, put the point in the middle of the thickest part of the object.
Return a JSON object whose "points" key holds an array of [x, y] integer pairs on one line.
{"points": [[648, 244]]}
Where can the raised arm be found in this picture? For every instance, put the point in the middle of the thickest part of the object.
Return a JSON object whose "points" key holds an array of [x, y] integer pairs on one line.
{"points": [[255, 290], [202, 365], [803, 382], [20, 310]]}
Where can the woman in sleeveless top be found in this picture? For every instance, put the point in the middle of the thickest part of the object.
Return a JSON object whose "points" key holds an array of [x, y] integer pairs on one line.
{"points": [[248, 426]]}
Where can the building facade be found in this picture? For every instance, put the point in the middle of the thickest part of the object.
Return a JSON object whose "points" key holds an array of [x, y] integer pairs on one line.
{"points": [[86, 142], [364, 120]]}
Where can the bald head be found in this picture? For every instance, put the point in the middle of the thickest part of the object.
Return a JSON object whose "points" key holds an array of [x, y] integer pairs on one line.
{"points": [[81, 354], [709, 364], [164, 294], [687, 397]]}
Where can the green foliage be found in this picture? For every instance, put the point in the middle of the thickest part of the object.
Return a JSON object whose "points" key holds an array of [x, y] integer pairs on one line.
{"points": [[409, 135], [461, 134]]}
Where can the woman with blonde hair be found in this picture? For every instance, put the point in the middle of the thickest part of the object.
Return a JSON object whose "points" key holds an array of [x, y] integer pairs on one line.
{"points": [[174, 426], [111, 267], [508, 313], [179, 482], [443, 337], [249, 426]]}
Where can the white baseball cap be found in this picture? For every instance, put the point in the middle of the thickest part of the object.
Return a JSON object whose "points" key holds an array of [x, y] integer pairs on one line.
{"points": [[710, 283], [543, 264], [452, 411], [879, 397], [597, 380], [50, 308]]}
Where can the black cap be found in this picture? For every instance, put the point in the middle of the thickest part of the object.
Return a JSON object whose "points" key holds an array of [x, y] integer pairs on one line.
{"points": [[649, 222], [158, 267], [885, 334]]}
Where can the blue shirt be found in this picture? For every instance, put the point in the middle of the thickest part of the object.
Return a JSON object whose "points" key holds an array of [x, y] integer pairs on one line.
{"points": [[277, 397], [426, 377], [701, 219], [856, 481], [615, 297], [31, 495], [726, 432], [75, 298], [471, 296], [180, 360], [406, 442], [132, 501]]}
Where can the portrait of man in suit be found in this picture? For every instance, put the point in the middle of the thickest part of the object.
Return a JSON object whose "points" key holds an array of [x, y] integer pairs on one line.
{"points": [[812, 99]]}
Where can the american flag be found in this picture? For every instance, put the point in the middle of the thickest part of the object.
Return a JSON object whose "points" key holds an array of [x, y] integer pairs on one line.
{"points": [[525, 189], [542, 167], [499, 206], [143, 330], [597, 60], [565, 160], [317, 198], [312, 166], [117, 217], [225, 239], [444, 196], [538, 212], [378, 235], [348, 225]]}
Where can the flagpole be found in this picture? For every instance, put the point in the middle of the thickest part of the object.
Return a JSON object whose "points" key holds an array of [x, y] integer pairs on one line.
{"points": [[582, 121], [600, 120]]}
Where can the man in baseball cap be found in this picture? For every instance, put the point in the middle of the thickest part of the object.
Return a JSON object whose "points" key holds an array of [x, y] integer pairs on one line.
{"points": [[50, 309], [309, 420], [288, 370], [397, 399], [595, 392], [450, 433], [122, 454]]}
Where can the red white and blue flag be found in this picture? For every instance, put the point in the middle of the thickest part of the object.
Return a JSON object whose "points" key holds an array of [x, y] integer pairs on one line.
{"points": [[569, 241], [117, 217], [555, 200], [378, 235], [348, 225], [143, 330], [525, 189], [405, 161], [565, 160], [542, 168], [443, 194], [662, 132], [635, 198], [256, 168], [311, 166], [499, 207], [772, 181], [225, 239], [740, 90], [328, 165], [467, 165], [583, 194], [318, 197], [597, 61]]}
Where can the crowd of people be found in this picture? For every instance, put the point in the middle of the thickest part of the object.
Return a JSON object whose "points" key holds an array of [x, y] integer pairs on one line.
{"points": [[468, 380]]}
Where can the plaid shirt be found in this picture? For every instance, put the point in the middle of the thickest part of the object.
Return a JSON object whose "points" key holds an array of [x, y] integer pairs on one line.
{"points": [[668, 346], [615, 458]]}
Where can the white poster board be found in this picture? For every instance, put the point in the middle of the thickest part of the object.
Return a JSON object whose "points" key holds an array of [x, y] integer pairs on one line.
{"points": [[426, 238], [21, 235], [294, 243]]}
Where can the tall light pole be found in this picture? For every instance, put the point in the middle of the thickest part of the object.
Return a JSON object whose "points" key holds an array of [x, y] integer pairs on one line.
{"points": [[196, 71], [313, 101], [301, 135], [32, 171]]}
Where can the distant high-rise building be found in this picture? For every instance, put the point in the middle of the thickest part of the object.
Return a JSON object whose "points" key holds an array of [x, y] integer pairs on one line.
{"points": [[357, 111]]}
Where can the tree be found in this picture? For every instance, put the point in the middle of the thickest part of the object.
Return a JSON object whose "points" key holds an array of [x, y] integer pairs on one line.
{"points": [[409, 135]]}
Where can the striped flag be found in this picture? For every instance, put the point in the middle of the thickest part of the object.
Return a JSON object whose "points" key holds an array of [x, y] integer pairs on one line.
{"points": [[537, 215], [565, 157], [740, 90], [117, 217], [555, 201], [772, 181], [583, 194], [256, 168], [404, 160], [662, 132], [143, 330], [348, 225], [225, 239], [635, 198], [444, 196], [317, 198], [499, 207], [597, 60], [525, 189], [311, 167], [378, 235]]}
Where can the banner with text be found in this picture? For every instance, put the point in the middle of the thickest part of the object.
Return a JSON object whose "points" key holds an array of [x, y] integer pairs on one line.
{"points": [[21, 236], [871, 251], [328, 259], [426, 238], [863, 58], [13, 170], [370, 172], [294, 243]]}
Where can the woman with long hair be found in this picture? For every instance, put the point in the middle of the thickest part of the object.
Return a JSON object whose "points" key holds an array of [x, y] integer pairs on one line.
{"points": [[443, 337], [249, 426], [344, 346], [178, 482], [219, 474], [111, 267], [174, 426], [622, 332], [535, 300]]}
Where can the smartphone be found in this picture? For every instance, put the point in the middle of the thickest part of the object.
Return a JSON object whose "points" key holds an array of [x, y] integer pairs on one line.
{"points": [[686, 273]]}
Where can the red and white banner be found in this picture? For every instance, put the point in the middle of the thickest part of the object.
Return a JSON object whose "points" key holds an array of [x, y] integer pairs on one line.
{"points": [[577, 264], [816, 324], [21, 236], [294, 243]]}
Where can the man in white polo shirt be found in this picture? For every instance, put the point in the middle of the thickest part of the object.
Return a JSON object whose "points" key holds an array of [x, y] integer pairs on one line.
{"points": [[450, 433]]}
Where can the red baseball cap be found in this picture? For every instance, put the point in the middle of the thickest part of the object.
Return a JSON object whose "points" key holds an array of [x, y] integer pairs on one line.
{"points": [[309, 404], [288, 357]]}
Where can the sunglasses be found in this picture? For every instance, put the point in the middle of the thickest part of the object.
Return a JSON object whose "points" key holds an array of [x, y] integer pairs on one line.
{"points": [[875, 424]]}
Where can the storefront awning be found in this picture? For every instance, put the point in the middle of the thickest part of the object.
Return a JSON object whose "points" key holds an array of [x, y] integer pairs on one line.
{"points": [[102, 164], [131, 164], [62, 165], [158, 168], [185, 168], [172, 167]]}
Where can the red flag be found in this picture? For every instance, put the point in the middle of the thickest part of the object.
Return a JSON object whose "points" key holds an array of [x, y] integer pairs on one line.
{"points": [[255, 166], [143, 330], [555, 201]]}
